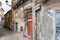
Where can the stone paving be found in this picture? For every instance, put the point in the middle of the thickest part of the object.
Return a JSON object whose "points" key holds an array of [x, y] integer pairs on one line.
{"points": [[16, 36], [8, 35]]}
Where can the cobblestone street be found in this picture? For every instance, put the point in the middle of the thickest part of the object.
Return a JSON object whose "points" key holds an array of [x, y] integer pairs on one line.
{"points": [[8, 35], [13, 37]]}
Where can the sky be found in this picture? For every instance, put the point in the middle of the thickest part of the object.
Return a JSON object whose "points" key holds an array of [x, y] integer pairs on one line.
{"points": [[5, 7]]}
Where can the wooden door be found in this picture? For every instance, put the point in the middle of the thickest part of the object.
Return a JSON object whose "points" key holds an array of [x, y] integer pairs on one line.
{"points": [[30, 28], [28, 14]]}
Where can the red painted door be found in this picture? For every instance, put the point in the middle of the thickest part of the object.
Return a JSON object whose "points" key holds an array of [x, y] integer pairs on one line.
{"points": [[28, 14], [30, 28]]}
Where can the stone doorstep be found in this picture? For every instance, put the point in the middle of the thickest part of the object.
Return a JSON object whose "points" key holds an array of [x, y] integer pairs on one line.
{"points": [[27, 36]]}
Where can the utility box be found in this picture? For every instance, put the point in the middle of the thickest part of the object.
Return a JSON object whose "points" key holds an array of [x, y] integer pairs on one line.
{"points": [[55, 16]]}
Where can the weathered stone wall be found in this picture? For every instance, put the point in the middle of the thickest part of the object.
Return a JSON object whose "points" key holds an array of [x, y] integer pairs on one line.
{"points": [[47, 28], [46, 24], [38, 25]]}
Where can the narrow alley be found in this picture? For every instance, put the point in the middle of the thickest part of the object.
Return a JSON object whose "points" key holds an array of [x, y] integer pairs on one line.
{"points": [[29, 19]]}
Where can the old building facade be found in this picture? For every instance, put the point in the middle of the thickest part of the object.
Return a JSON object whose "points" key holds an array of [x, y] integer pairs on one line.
{"points": [[23, 16], [47, 26], [8, 19], [28, 20]]}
